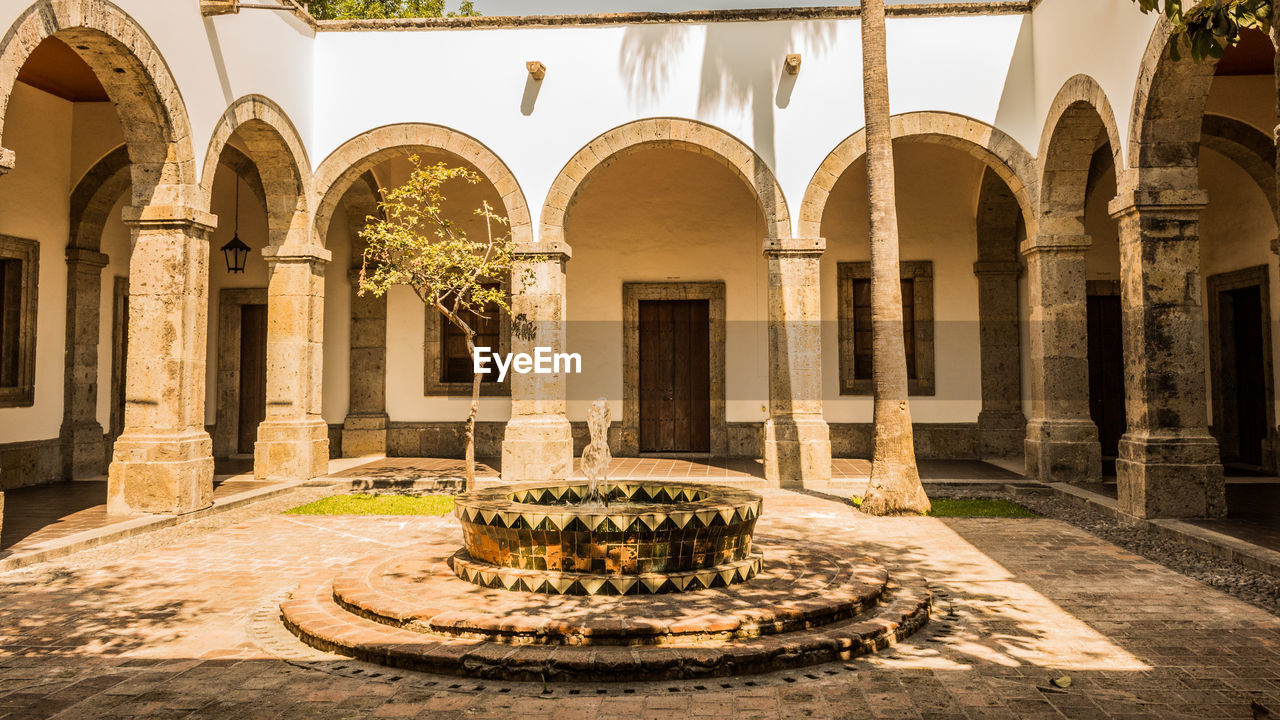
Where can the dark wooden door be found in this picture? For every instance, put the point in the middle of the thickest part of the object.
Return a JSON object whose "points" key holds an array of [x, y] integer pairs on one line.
{"points": [[675, 376], [1106, 371], [253, 373], [1244, 390]]}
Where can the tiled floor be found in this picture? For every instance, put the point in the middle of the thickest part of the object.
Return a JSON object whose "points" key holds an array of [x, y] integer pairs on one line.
{"points": [[177, 631], [36, 515]]}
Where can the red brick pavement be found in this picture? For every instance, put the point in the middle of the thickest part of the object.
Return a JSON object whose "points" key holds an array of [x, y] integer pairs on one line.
{"points": [[170, 633]]}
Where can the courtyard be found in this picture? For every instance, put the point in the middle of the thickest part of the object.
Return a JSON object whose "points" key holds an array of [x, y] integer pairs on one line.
{"points": [[183, 623]]}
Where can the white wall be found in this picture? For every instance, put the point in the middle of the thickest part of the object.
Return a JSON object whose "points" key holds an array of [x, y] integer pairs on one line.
{"points": [[726, 74], [35, 196]]}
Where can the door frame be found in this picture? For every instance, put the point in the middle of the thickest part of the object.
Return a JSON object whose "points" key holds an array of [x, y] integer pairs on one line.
{"points": [[1107, 288], [1257, 276], [226, 429], [632, 294]]}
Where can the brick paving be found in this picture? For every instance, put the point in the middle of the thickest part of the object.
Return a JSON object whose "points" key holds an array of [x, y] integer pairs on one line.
{"points": [[175, 631]]}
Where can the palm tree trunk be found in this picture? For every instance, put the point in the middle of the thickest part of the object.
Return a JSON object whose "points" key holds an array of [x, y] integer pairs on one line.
{"points": [[895, 487]]}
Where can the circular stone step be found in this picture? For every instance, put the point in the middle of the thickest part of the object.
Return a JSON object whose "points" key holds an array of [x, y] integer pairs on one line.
{"points": [[809, 605], [799, 586]]}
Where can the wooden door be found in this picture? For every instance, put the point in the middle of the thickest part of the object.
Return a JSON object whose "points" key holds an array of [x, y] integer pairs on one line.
{"points": [[253, 373], [1106, 371], [1244, 389], [675, 376]]}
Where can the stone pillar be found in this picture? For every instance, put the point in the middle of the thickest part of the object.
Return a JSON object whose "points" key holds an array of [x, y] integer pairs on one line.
{"points": [[163, 462], [364, 432], [82, 436], [538, 443], [1001, 424], [293, 440], [1062, 441], [797, 441], [1169, 464]]}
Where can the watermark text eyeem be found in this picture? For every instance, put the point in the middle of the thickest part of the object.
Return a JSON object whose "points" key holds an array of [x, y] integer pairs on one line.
{"points": [[542, 362]]}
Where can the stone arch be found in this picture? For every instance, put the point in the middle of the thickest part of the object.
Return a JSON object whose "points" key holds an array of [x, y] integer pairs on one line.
{"points": [[130, 67], [95, 195], [276, 150], [1246, 146], [1001, 153], [1079, 118], [363, 152], [1168, 108], [676, 133]]}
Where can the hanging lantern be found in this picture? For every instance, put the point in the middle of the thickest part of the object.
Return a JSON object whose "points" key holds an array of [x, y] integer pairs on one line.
{"points": [[236, 252]]}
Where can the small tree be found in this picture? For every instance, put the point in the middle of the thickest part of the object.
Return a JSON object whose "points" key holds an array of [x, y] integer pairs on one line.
{"points": [[416, 244], [374, 9]]}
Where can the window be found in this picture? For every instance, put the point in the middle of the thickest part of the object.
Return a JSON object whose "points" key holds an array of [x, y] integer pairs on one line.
{"points": [[18, 266], [448, 364], [455, 359], [856, 333]]}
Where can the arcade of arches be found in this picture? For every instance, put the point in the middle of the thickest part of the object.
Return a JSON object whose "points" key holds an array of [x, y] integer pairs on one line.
{"points": [[1092, 311]]}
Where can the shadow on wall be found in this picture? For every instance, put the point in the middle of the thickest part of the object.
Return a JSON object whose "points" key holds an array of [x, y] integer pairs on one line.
{"points": [[742, 69]]}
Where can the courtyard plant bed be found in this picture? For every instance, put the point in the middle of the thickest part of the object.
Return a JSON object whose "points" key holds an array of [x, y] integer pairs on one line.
{"points": [[377, 504]]}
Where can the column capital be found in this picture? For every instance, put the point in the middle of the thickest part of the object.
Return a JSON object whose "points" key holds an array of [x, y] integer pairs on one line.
{"points": [[997, 267], [1173, 202], [297, 254], [552, 250], [165, 217], [86, 257], [1055, 243], [7, 160], [794, 247]]}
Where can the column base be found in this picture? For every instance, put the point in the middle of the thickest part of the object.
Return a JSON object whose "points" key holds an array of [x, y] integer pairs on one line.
{"points": [[537, 448], [83, 450], [364, 435], [1170, 477], [1001, 434], [1063, 451], [161, 473], [797, 453], [291, 450]]}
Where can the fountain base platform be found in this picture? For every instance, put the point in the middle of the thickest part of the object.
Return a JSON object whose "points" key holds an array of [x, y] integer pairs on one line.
{"points": [[809, 603]]}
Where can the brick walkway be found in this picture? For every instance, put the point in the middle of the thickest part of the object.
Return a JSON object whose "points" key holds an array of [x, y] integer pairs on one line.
{"points": [[179, 631]]}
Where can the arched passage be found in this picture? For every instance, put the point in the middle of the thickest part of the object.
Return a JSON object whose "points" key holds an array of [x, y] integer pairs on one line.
{"points": [[292, 441], [1075, 421], [962, 227], [347, 184], [163, 461]]}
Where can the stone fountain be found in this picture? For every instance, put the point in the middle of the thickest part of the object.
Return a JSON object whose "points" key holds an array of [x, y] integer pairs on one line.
{"points": [[607, 580], [625, 538]]}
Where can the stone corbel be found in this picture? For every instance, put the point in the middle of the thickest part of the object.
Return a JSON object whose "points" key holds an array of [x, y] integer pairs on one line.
{"points": [[795, 247], [170, 217], [86, 258], [7, 160], [1172, 202], [1055, 243], [552, 250], [304, 254]]}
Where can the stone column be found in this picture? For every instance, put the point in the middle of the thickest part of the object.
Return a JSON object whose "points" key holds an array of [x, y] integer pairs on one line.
{"points": [[364, 432], [797, 441], [1169, 464], [538, 443], [1062, 441], [293, 441], [82, 438], [163, 462], [1001, 424]]}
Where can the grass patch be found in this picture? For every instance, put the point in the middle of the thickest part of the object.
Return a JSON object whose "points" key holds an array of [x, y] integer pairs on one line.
{"points": [[969, 507], [364, 504]]}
